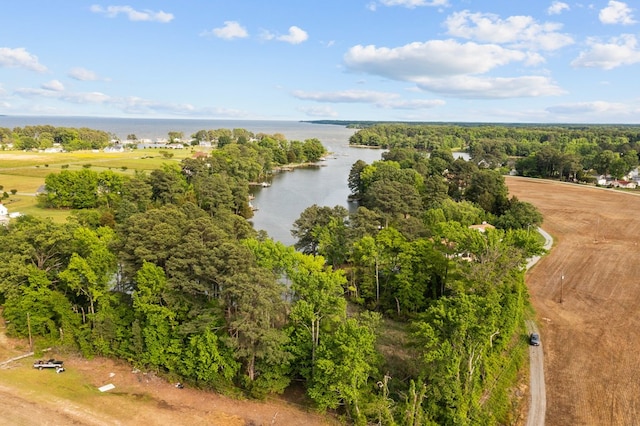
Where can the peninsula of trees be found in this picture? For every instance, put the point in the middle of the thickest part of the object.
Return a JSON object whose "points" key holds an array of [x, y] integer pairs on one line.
{"points": [[409, 311]]}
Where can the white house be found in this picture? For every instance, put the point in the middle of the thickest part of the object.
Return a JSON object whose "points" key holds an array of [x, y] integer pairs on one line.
{"points": [[3, 210], [114, 148], [624, 184]]}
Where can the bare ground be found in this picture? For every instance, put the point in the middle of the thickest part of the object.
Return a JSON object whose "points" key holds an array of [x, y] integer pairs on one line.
{"points": [[590, 319], [138, 398]]}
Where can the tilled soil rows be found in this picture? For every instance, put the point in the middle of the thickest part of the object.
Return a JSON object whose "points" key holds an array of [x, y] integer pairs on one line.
{"points": [[586, 293]]}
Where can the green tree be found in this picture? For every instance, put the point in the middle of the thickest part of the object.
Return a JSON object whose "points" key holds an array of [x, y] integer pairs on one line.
{"points": [[255, 316], [157, 321], [175, 136], [311, 221], [346, 360], [91, 267], [489, 191], [207, 361], [168, 185], [520, 215], [355, 182], [313, 150], [319, 303], [604, 161]]}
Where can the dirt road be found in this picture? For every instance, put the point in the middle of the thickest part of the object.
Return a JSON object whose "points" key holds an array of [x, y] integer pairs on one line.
{"points": [[538, 402], [586, 293], [537, 390]]}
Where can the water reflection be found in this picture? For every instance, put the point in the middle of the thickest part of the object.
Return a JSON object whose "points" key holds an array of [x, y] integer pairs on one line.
{"points": [[291, 192], [326, 184]]}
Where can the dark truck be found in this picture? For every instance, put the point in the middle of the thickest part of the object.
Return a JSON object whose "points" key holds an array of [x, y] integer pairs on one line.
{"points": [[51, 363]]}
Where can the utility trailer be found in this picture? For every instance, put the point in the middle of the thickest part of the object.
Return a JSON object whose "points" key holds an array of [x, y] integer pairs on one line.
{"points": [[51, 363]]}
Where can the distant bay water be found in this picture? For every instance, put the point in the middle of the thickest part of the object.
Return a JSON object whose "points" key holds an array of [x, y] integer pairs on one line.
{"points": [[154, 128], [290, 193]]}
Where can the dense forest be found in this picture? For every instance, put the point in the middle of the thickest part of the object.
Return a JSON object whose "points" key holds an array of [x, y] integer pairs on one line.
{"points": [[408, 311], [569, 152]]}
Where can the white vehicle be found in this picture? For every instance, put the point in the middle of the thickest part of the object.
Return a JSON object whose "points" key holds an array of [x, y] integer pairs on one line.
{"points": [[51, 363]]}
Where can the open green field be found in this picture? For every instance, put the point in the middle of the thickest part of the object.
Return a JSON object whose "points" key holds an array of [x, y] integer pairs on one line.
{"points": [[25, 172]]}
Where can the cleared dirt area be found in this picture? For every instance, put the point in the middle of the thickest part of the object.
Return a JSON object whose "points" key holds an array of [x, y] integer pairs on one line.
{"points": [[586, 293], [32, 397]]}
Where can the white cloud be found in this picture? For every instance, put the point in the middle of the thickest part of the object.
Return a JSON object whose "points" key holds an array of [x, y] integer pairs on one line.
{"points": [[591, 107], [318, 111], [472, 87], [54, 85], [267, 35], [521, 31], [434, 58], [129, 105], [132, 14], [411, 4], [296, 35], [596, 112], [345, 96], [557, 7], [73, 97], [83, 74], [379, 99], [137, 106], [619, 51], [412, 104], [230, 31], [19, 58], [616, 12]]}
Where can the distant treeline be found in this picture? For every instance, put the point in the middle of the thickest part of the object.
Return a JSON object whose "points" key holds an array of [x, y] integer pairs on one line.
{"points": [[567, 152], [45, 136]]}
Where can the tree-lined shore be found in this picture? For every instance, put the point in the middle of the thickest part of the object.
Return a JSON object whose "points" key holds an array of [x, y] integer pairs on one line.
{"points": [[408, 311]]}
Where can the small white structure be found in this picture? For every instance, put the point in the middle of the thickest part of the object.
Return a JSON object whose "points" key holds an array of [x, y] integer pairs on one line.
{"points": [[106, 387], [3, 210]]}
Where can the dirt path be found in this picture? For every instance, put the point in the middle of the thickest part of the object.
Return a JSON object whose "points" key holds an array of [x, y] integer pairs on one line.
{"points": [[586, 293], [538, 402], [537, 390]]}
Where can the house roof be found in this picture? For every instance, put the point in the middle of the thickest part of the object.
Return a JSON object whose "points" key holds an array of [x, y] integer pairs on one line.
{"points": [[482, 227]]}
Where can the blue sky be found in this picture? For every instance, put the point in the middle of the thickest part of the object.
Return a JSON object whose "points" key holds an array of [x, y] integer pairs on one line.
{"points": [[410, 60]]}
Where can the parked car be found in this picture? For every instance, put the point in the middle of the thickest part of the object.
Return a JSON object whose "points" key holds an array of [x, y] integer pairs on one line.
{"points": [[52, 363], [534, 339]]}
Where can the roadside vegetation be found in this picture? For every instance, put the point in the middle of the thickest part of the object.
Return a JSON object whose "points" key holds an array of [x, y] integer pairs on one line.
{"points": [[409, 311]]}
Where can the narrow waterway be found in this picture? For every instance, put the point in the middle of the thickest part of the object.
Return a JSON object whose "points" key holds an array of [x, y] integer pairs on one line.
{"points": [[291, 192], [325, 185]]}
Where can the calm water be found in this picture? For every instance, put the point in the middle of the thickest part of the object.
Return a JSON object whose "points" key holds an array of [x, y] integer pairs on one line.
{"points": [[149, 128], [290, 193]]}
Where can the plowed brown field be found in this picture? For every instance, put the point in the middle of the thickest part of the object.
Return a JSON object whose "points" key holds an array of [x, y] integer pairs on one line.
{"points": [[590, 319]]}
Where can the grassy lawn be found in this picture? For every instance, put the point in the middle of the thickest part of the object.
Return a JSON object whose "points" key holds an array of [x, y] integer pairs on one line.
{"points": [[28, 184], [26, 172]]}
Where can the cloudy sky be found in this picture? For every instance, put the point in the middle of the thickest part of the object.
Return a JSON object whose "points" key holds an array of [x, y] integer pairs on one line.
{"points": [[411, 60]]}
